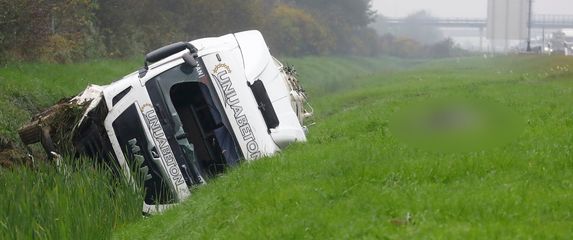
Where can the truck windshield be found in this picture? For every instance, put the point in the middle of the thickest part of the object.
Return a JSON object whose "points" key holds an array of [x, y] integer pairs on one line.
{"points": [[197, 127]]}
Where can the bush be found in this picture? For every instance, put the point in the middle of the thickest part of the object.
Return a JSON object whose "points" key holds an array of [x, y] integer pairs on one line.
{"points": [[409, 48], [294, 32]]}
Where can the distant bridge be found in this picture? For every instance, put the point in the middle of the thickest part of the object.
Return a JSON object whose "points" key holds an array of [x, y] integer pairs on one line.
{"points": [[538, 21]]}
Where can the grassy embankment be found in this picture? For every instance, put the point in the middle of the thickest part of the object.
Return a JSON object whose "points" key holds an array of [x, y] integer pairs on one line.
{"points": [[47, 203], [76, 201], [356, 179]]}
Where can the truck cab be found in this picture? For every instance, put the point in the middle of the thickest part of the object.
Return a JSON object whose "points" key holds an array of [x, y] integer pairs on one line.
{"points": [[195, 109]]}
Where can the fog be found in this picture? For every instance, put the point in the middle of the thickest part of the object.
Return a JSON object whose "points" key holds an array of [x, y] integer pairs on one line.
{"points": [[467, 38], [464, 8]]}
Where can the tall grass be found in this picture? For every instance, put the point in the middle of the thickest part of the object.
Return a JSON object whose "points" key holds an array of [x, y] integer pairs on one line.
{"points": [[80, 200], [77, 200]]}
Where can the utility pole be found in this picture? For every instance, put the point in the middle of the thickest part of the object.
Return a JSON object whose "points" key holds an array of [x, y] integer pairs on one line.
{"points": [[529, 26], [481, 39], [543, 40]]}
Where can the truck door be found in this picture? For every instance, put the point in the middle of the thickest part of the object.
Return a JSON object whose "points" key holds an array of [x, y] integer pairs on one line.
{"points": [[138, 140], [132, 140]]}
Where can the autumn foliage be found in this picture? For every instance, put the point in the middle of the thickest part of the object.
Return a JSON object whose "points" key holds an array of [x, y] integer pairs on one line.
{"points": [[71, 30]]}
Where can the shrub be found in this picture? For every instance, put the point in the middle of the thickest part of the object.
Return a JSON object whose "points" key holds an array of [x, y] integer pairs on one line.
{"points": [[295, 32]]}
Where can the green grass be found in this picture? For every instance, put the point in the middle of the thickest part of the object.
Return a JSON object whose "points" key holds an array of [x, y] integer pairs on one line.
{"points": [[83, 202], [356, 179], [352, 179], [27, 88], [322, 76], [44, 202], [75, 201]]}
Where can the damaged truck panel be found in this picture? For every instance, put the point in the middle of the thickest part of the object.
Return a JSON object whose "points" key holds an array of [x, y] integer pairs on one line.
{"points": [[194, 109]]}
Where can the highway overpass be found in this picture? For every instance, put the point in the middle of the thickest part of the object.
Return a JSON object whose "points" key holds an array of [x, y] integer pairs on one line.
{"points": [[538, 22]]}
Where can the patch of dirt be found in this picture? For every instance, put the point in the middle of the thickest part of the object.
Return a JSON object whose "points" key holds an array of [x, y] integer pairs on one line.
{"points": [[10, 155]]}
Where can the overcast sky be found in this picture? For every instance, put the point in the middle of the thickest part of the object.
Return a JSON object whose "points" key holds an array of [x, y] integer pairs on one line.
{"points": [[462, 8]]}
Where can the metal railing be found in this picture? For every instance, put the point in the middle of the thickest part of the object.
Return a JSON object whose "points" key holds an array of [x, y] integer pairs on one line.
{"points": [[538, 21]]}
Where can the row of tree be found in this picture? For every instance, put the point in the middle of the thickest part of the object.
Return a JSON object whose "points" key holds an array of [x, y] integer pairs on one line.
{"points": [[414, 39], [70, 30], [67, 30]]}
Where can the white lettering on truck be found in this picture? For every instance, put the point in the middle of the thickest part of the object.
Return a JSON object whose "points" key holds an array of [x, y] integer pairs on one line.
{"points": [[163, 145], [231, 100]]}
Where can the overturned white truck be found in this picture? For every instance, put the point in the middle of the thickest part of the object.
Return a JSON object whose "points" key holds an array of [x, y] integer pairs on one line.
{"points": [[195, 109]]}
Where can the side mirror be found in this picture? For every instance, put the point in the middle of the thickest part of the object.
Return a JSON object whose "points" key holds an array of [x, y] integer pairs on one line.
{"points": [[191, 59]]}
